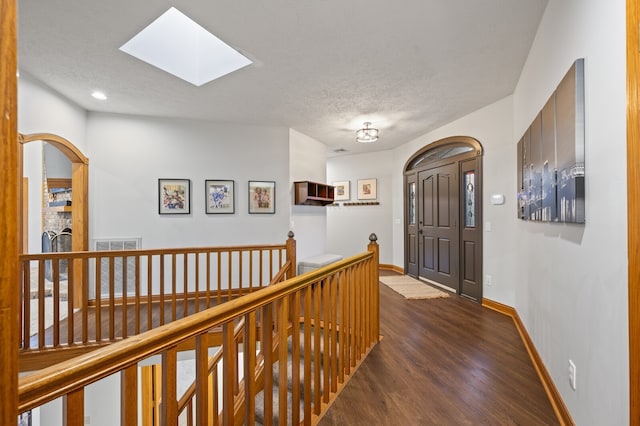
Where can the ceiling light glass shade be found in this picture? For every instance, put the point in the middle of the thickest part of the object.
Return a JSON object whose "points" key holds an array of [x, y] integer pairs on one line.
{"points": [[367, 134]]}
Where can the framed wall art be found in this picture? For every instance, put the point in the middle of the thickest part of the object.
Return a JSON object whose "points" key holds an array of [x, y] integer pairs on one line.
{"points": [[262, 197], [341, 192], [219, 195], [367, 189], [174, 196]]}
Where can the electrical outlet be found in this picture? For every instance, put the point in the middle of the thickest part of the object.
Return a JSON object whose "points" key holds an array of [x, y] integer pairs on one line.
{"points": [[488, 279], [572, 375]]}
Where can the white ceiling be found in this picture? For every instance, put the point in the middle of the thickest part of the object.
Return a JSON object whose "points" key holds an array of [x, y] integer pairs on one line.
{"points": [[321, 67]]}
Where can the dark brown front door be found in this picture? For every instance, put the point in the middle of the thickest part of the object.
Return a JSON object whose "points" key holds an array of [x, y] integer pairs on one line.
{"points": [[438, 232]]}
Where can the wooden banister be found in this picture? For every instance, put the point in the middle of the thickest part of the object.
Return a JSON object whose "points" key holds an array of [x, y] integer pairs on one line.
{"points": [[331, 307], [177, 281]]}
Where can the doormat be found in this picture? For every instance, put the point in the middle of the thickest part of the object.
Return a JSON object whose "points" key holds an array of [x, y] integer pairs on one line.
{"points": [[411, 288]]}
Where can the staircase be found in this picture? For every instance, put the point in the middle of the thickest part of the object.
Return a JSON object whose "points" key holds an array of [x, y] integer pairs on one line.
{"points": [[311, 385]]}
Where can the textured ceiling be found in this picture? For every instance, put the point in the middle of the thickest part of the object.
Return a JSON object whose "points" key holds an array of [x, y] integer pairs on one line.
{"points": [[321, 67]]}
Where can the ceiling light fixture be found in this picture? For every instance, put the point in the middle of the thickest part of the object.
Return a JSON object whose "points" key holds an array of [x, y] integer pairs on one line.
{"points": [[99, 95], [367, 134]]}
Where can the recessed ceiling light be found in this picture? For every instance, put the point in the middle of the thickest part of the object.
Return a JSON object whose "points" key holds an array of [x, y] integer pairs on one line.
{"points": [[99, 95], [176, 44]]}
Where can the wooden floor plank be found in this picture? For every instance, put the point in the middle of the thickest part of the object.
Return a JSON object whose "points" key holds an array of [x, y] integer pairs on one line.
{"points": [[443, 362]]}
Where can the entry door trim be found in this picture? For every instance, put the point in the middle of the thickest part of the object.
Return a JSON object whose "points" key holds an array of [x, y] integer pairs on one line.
{"points": [[470, 159]]}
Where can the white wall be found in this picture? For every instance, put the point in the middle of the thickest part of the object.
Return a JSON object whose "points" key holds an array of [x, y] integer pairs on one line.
{"points": [[42, 110], [348, 228], [129, 154], [571, 284], [307, 161]]}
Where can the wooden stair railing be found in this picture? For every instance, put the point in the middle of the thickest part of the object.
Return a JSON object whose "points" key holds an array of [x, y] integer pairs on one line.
{"points": [[127, 292], [335, 307]]}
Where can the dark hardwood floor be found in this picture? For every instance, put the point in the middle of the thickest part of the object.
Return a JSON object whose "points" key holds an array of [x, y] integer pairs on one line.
{"points": [[443, 362]]}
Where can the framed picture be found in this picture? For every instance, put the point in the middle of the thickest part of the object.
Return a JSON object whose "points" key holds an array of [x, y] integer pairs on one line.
{"points": [[219, 196], [367, 189], [341, 191], [262, 197], [174, 196]]}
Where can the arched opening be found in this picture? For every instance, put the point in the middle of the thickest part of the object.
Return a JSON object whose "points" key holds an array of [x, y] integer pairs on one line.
{"points": [[77, 185], [443, 215]]}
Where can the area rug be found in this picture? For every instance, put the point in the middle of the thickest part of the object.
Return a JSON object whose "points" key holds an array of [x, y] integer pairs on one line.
{"points": [[411, 288]]}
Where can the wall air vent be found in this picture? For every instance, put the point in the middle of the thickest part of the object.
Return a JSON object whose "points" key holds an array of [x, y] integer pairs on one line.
{"points": [[116, 244]]}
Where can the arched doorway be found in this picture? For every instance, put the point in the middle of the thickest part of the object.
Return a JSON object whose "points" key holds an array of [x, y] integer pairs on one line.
{"points": [[443, 215], [79, 186], [79, 206]]}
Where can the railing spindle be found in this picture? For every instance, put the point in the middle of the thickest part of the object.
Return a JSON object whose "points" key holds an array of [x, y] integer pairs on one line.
{"points": [[98, 307], [150, 292], [85, 302], [174, 287], [317, 394], [283, 379], [229, 274], [56, 303], [137, 293], [185, 281], [326, 333], [270, 264], [208, 280], [169, 405], [41, 295], [261, 268], [162, 275], [124, 326], [295, 355], [213, 383], [129, 395], [334, 330], [197, 279], [202, 385], [112, 296], [249, 340], [70, 307], [73, 408], [26, 305], [218, 301], [240, 285], [307, 351], [229, 374]]}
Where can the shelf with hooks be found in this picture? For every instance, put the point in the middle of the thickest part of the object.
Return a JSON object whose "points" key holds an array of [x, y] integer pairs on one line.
{"points": [[313, 193]]}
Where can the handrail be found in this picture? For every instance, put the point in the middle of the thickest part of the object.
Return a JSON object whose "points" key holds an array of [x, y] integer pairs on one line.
{"points": [[103, 286], [69, 378]]}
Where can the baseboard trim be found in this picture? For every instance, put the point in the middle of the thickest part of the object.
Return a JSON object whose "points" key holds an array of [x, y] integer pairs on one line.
{"points": [[564, 417], [391, 268]]}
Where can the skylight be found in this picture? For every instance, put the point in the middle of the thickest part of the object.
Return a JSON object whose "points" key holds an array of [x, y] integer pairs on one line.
{"points": [[176, 44]]}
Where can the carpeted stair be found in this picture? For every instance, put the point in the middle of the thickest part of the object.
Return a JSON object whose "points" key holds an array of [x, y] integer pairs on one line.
{"points": [[259, 401]]}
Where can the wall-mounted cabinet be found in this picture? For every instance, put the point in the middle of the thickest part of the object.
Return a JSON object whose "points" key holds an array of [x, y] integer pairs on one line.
{"points": [[312, 193]]}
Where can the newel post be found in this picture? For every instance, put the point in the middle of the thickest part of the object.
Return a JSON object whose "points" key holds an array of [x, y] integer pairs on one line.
{"points": [[9, 215], [291, 255], [375, 278]]}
